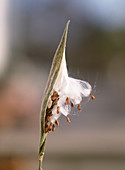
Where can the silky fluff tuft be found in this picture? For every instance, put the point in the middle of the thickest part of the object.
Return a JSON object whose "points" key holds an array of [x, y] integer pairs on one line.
{"points": [[67, 88]]}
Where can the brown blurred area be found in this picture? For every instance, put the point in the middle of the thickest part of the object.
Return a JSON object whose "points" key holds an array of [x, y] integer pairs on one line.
{"points": [[29, 34]]}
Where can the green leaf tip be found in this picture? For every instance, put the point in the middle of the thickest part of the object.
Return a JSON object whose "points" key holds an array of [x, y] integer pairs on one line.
{"points": [[51, 80]]}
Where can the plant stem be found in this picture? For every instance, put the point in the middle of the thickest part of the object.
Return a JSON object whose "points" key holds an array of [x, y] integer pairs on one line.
{"points": [[41, 153]]}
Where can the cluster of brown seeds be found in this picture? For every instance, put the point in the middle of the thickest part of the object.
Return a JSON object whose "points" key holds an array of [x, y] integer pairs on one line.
{"points": [[72, 104], [55, 99]]}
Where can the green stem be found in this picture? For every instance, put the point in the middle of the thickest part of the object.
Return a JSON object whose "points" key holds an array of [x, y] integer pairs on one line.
{"points": [[41, 153]]}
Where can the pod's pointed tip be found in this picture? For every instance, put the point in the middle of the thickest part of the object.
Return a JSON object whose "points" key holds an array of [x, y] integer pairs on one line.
{"points": [[68, 22], [66, 31], [67, 26]]}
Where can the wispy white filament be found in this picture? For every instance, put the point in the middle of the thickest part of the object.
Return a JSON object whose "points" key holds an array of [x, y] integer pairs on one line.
{"points": [[69, 87]]}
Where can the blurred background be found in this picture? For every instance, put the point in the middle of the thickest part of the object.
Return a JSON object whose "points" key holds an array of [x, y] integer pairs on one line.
{"points": [[30, 32]]}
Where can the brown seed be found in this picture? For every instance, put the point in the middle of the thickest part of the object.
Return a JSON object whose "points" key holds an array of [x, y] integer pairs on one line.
{"points": [[72, 104], [57, 123], [47, 119], [48, 111], [55, 93], [68, 120], [46, 125], [56, 101], [93, 97], [46, 129], [54, 96], [50, 127], [79, 107], [53, 128], [57, 109], [67, 100]]}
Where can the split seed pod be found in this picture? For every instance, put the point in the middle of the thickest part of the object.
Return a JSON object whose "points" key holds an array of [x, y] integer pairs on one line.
{"points": [[60, 91], [48, 103]]}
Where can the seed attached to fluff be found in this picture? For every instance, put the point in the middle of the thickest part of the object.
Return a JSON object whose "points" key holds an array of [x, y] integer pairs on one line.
{"points": [[50, 127], [56, 101], [93, 97], [79, 107], [54, 96], [53, 128], [67, 100], [47, 119], [68, 120], [57, 123], [46, 128], [57, 109], [72, 104]]}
